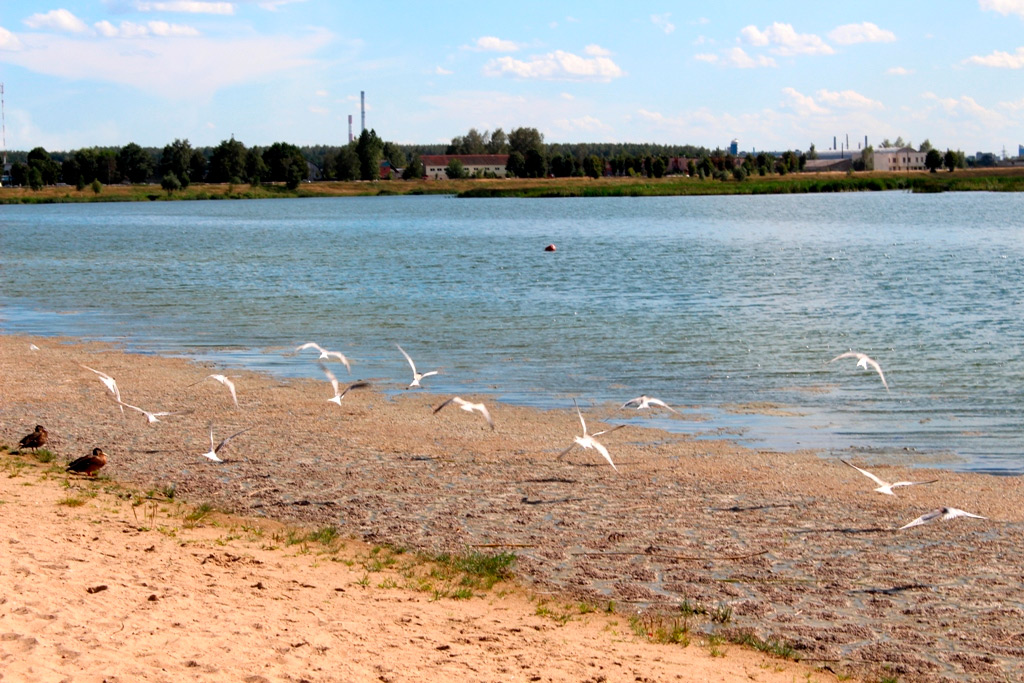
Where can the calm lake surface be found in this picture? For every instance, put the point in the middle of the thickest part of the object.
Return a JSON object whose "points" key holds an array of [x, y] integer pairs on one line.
{"points": [[714, 304]]}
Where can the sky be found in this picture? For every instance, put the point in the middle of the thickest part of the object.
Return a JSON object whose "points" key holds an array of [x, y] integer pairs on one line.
{"points": [[774, 75]]}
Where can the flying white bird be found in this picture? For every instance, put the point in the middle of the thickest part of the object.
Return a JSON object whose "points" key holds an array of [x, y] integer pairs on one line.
{"points": [[644, 402], [325, 354], [588, 441], [416, 376], [151, 417], [468, 407], [223, 380], [214, 450], [941, 513], [33, 347], [884, 486], [338, 395], [863, 361], [109, 382]]}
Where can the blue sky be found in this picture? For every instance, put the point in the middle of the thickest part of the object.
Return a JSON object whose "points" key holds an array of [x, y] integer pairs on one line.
{"points": [[775, 75]]}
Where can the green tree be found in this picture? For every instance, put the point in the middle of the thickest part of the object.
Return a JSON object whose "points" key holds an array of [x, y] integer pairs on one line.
{"points": [[255, 168], [926, 146], [71, 172], [196, 167], [523, 140], [49, 170], [97, 186], [516, 165], [227, 163], [19, 174], [295, 174], [170, 183], [455, 169], [933, 160], [282, 156], [369, 149], [175, 160], [35, 178], [593, 166], [394, 154], [658, 167], [346, 163], [135, 164], [498, 142], [414, 169], [536, 165]]}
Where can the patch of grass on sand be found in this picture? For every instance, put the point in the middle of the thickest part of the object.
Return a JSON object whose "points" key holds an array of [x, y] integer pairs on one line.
{"points": [[770, 646], [71, 501], [661, 628], [44, 455], [198, 514]]}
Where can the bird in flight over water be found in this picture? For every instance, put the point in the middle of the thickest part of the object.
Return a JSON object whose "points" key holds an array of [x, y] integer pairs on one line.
{"points": [[884, 486], [863, 361]]}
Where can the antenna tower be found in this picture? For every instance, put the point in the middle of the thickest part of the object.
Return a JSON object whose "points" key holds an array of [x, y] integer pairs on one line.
{"points": [[3, 125], [362, 110]]}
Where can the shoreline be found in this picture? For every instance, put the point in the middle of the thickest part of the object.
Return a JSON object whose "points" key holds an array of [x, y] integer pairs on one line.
{"points": [[797, 547], [963, 180]]}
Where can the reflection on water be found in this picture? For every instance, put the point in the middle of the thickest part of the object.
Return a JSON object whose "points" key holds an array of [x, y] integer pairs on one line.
{"points": [[706, 302]]}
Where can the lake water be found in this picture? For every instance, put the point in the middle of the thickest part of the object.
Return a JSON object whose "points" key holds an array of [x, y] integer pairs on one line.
{"points": [[706, 302]]}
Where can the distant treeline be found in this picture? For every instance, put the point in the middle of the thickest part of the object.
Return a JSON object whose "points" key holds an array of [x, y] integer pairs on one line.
{"points": [[178, 163]]}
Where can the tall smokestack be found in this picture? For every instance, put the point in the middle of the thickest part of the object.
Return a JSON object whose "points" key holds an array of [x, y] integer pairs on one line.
{"points": [[350, 127], [362, 111]]}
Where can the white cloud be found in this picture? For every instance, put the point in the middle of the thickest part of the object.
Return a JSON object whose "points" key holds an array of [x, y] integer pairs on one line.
{"points": [[9, 41], [441, 71], [558, 65], [662, 22], [596, 51], [163, 67], [319, 110], [495, 44], [588, 124], [187, 6], [1014, 106], [57, 20], [803, 105], [129, 29], [736, 58], [965, 111], [785, 41], [866, 32], [1000, 60], [321, 93], [1004, 7], [273, 5], [899, 71], [847, 99]]}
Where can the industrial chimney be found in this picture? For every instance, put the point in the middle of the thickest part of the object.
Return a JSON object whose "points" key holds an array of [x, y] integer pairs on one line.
{"points": [[362, 111]]}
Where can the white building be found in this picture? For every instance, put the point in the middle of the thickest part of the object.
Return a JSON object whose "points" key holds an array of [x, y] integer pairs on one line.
{"points": [[899, 159], [435, 166]]}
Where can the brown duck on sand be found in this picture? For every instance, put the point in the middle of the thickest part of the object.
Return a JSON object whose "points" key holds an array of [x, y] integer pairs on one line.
{"points": [[35, 440], [89, 464]]}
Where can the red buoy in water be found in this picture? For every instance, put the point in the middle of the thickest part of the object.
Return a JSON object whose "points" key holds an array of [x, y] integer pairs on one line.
{"points": [[550, 247]]}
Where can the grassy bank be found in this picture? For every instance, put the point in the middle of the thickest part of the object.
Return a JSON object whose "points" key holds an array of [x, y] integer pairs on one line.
{"points": [[986, 180]]}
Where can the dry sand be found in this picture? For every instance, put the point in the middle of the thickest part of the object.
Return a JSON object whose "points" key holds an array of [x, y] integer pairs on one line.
{"points": [[787, 546]]}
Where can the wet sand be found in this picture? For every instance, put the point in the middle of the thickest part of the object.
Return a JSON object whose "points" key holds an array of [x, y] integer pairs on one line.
{"points": [[790, 546]]}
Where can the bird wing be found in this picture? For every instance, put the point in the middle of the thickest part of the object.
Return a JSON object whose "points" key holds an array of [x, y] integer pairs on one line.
{"points": [[848, 354], [108, 382], [659, 402], [229, 384], [951, 513], [607, 431], [355, 385], [428, 374], [310, 345], [340, 356], [482, 409], [224, 442], [330, 376], [878, 369], [603, 451], [453, 399], [582, 423], [566, 451], [868, 475], [129, 405], [911, 483], [408, 358], [924, 519], [633, 401]]}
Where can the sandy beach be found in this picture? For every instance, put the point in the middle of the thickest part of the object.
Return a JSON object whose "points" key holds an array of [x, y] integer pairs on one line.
{"points": [[787, 548]]}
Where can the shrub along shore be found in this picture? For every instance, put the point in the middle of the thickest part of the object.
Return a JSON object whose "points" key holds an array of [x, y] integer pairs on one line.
{"points": [[974, 180]]}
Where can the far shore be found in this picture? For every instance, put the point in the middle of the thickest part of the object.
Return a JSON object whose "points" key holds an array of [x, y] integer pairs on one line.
{"points": [[962, 180], [791, 552]]}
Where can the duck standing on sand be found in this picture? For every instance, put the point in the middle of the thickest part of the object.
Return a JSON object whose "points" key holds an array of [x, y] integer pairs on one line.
{"points": [[35, 440], [88, 464]]}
